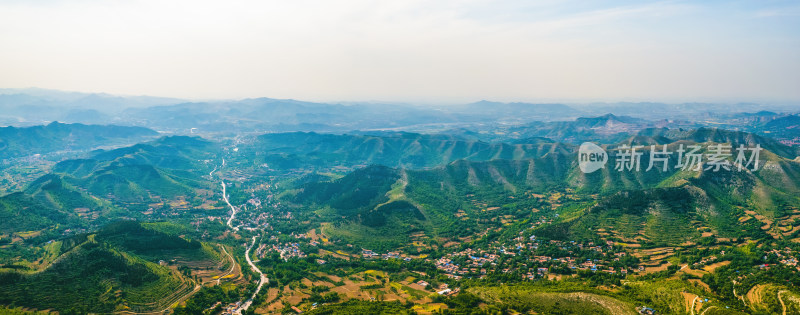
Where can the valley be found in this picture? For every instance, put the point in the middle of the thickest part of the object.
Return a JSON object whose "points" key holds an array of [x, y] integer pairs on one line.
{"points": [[499, 157], [403, 222]]}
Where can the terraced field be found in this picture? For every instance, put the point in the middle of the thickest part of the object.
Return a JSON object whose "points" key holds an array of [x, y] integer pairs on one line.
{"points": [[524, 300], [773, 299]]}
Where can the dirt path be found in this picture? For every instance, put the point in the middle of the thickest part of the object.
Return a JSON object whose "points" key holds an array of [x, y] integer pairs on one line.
{"points": [[197, 287], [737, 296], [710, 307], [780, 299], [233, 264]]}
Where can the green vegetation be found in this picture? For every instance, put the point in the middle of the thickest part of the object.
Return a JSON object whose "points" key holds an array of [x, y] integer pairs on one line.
{"points": [[505, 227], [208, 298], [524, 299], [109, 270], [363, 307]]}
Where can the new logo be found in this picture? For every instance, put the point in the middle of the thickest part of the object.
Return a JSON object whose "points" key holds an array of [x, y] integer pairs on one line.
{"points": [[591, 157]]}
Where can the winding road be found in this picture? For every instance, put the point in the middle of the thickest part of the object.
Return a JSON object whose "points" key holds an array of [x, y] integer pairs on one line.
{"points": [[233, 209], [261, 281]]}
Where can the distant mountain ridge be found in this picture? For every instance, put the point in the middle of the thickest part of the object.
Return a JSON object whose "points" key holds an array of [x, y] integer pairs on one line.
{"points": [[22, 141], [407, 150], [608, 128], [36, 106], [519, 110]]}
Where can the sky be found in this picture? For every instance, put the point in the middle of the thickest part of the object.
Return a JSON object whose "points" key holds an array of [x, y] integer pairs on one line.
{"points": [[433, 51]]}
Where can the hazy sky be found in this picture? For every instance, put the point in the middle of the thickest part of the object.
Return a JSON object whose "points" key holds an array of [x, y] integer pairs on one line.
{"points": [[413, 51]]}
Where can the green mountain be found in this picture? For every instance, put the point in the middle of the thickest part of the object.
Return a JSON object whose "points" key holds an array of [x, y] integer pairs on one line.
{"points": [[110, 270], [378, 204], [353, 194], [133, 183], [727, 204], [167, 168], [366, 206], [407, 150], [20, 212], [111, 185], [19, 142], [703, 135], [53, 190], [176, 153]]}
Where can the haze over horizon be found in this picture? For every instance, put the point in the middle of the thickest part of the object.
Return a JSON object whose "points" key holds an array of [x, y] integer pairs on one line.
{"points": [[411, 51]]}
